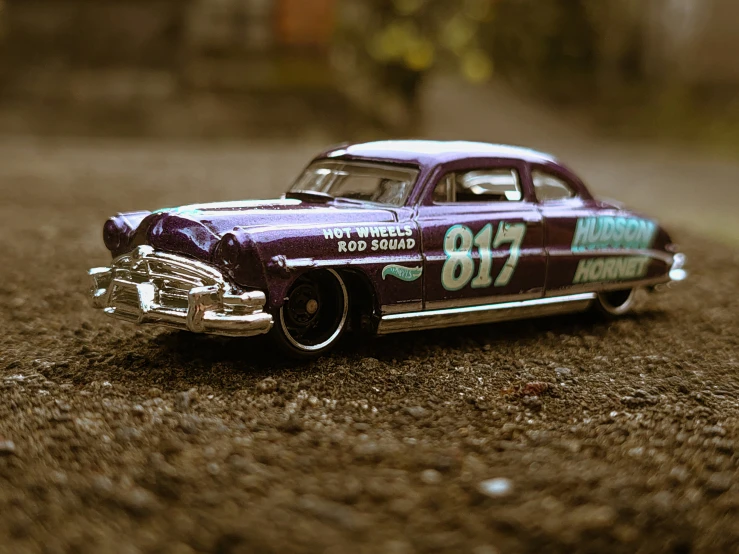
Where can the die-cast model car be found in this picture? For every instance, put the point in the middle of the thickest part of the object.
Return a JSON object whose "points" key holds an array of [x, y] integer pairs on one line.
{"points": [[386, 236]]}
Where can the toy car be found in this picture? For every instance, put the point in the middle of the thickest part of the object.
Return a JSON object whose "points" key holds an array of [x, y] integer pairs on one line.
{"points": [[386, 236]]}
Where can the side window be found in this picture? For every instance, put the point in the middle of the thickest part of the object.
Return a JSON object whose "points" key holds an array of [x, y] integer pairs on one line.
{"points": [[444, 191], [479, 185], [549, 188]]}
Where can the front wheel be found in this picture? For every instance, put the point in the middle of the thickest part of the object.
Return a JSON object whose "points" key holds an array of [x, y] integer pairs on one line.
{"points": [[617, 303], [313, 315]]}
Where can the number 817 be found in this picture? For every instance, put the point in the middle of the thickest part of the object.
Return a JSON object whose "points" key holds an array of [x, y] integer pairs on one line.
{"points": [[459, 266]]}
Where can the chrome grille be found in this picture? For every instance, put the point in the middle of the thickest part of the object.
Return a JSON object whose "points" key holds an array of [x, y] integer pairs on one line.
{"points": [[173, 277], [146, 286]]}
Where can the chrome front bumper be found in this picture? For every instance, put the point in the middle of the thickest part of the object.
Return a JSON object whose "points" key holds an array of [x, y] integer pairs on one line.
{"points": [[146, 286]]}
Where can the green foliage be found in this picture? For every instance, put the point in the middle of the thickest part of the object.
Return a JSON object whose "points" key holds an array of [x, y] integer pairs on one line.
{"points": [[597, 56], [418, 35], [549, 47]]}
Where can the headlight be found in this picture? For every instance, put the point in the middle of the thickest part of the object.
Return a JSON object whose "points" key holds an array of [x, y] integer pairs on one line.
{"points": [[228, 251], [238, 254], [119, 230], [115, 231]]}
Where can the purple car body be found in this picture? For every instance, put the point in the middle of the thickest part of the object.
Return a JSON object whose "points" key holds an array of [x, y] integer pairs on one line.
{"points": [[424, 234]]}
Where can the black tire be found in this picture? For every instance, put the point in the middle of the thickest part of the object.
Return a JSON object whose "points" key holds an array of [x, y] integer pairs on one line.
{"points": [[313, 316], [617, 303]]}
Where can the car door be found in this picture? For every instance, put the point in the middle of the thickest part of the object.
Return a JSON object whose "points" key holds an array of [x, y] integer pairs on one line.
{"points": [[590, 246], [482, 236], [562, 201]]}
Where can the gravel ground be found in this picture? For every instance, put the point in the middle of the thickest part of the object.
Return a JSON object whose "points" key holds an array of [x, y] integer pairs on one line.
{"points": [[567, 434]]}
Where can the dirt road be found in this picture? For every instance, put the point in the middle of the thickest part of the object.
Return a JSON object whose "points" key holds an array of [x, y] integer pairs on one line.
{"points": [[558, 435]]}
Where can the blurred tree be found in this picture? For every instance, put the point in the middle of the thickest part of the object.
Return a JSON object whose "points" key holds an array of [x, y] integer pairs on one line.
{"points": [[548, 47], [563, 50], [569, 51], [384, 48], [663, 67]]}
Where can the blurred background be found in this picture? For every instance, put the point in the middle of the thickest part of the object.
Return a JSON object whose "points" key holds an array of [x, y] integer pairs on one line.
{"points": [[640, 96]]}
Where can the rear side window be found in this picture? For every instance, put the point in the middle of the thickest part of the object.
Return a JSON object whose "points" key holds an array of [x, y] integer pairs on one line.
{"points": [[549, 188], [479, 185]]}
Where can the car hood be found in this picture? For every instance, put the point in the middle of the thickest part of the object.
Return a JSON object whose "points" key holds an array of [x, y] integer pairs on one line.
{"points": [[194, 230]]}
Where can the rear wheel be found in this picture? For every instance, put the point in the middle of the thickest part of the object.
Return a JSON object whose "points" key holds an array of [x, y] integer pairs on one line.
{"points": [[313, 316], [617, 303]]}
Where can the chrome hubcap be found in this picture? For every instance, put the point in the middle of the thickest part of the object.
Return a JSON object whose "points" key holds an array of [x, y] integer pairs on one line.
{"points": [[315, 311]]}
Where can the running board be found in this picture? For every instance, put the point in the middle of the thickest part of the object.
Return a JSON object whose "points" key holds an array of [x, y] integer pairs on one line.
{"points": [[486, 313]]}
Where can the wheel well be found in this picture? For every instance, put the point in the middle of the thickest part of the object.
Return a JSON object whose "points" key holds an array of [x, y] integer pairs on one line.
{"points": [[362, 299], [618, 302]]}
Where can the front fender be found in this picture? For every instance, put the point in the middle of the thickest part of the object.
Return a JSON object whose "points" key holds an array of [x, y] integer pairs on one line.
{"points": [[368, 250]]}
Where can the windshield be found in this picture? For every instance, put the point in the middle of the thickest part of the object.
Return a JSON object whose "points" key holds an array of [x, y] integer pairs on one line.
{"points": [[373, 182]]}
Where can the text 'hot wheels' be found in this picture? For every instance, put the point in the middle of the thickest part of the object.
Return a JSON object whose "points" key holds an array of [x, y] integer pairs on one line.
{"points": [[389, 237]]}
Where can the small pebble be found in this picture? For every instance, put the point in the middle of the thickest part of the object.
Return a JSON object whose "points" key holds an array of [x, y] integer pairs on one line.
{"points": [[7, 447], [496, 488], [139, 502], [416, 411], [719, 482], [679, 474], [185, 399], [532, 403], [713, 430], [265, 386], [431, 477]]}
